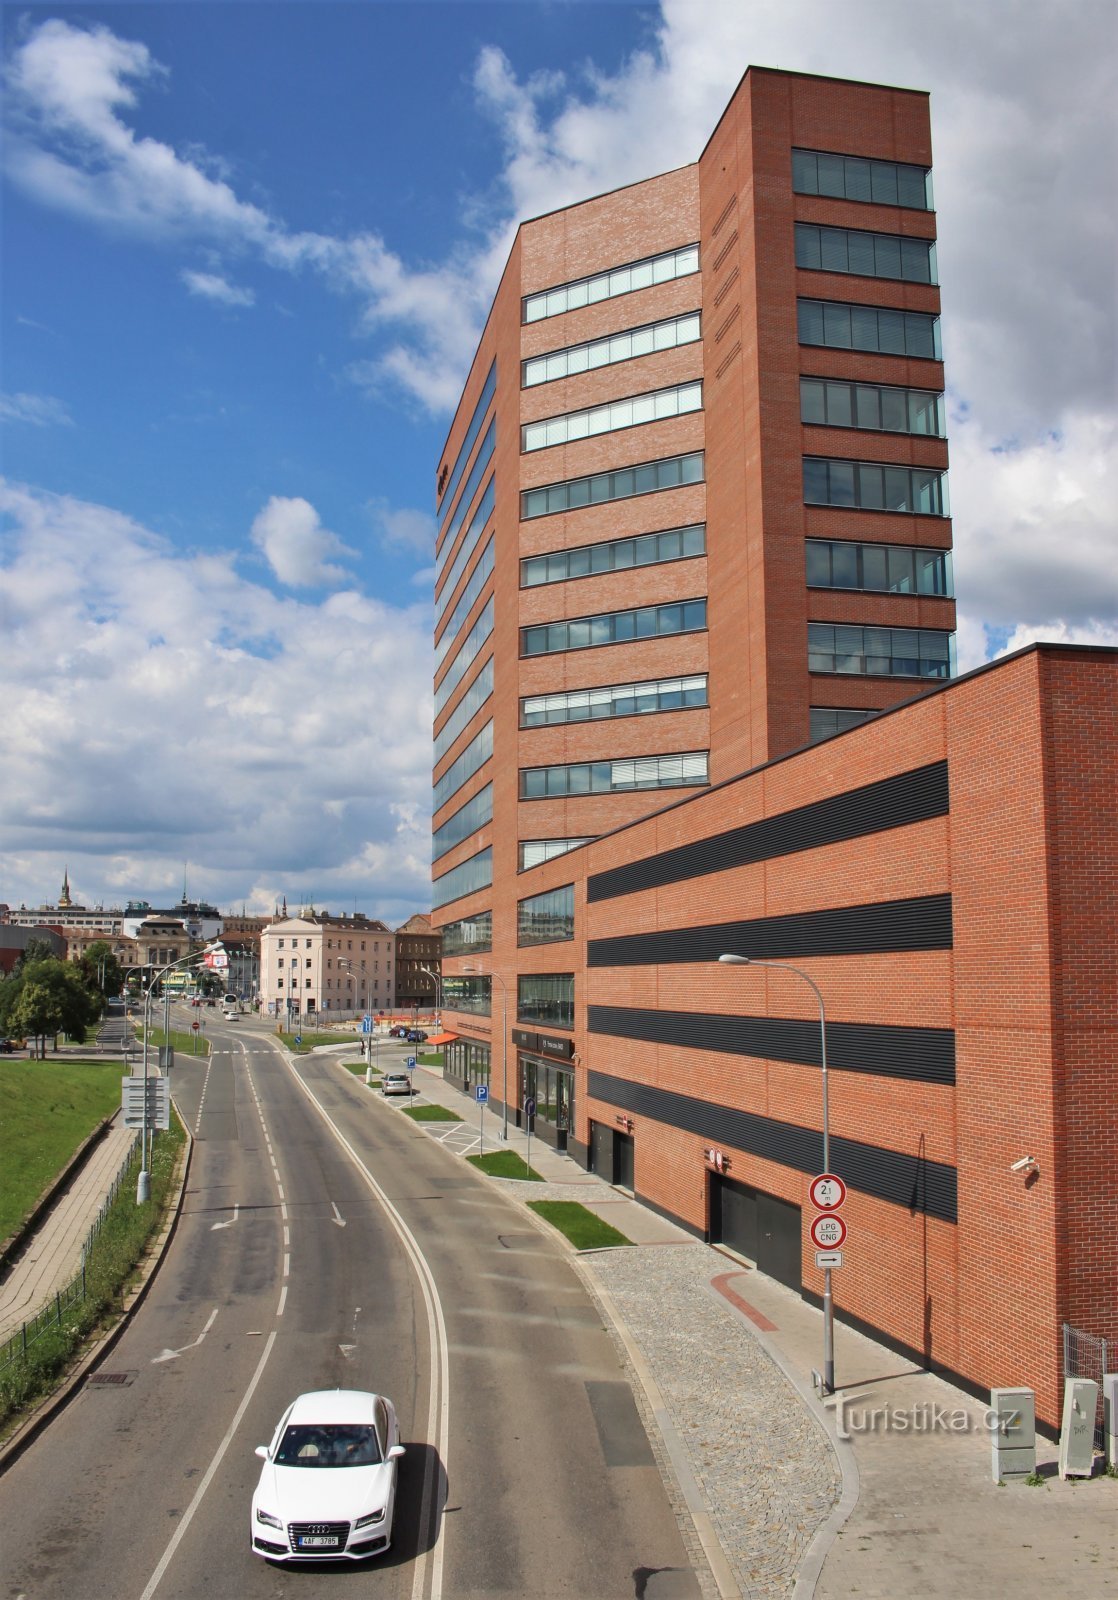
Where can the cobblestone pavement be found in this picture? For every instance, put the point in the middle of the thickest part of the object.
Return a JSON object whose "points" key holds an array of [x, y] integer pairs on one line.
{"points": [[763, 1466]]}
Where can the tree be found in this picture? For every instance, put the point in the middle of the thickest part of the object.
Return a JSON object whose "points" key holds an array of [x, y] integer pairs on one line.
{"points": [[48, 997], [34, 951], [101, 964]]}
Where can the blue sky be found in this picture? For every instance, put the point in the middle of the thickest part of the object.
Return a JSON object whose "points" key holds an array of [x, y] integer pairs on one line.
{"points": [[248, 249]]}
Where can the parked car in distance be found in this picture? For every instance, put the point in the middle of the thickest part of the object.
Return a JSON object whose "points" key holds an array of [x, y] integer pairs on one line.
{"points": [[7, 1046], [416, 1036], [395, 1083], [327, 1488], [398, 1030]]}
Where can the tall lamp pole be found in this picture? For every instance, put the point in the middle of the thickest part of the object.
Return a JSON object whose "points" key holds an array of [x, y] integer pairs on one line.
{"points": [[828, 1304], [504, 1044], [344, 961], [143, 1185], [438, 982]]}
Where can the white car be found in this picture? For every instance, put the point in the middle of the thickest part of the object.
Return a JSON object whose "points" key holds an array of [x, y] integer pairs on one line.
{"points": [[396, 1083], [327, 1489]]}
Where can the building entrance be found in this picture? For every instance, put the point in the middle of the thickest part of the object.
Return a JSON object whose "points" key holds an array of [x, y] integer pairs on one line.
{"points": [[759, 1226], [613, 1155]]}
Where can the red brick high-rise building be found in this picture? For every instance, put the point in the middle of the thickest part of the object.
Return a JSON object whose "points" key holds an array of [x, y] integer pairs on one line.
{"points": [[693, 523]]}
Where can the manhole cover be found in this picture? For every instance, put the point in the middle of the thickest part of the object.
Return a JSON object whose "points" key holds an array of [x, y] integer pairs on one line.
{"points": [[108, 1380]]}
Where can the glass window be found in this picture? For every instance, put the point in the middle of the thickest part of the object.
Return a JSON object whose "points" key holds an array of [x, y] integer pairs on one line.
{"points": [[467, 654], [617, 700], [475, 873], [873, 328], [546, 918], [884, 568], [884, 183], [868, 485], [624, 346], [468, 936], [606, 285], [488, 390], [610, 777], [605, 486], [880, 652], [534, 851], [547, 998], [611, 418]]}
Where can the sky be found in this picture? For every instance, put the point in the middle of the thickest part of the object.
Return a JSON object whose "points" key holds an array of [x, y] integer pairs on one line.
{"points": [[248, 251]]}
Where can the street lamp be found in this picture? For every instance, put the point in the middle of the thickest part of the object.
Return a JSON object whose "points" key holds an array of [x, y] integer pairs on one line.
{"points": [[828, 1304], [344, 961], [504, 1044], [438, 982], [143, 1185]]}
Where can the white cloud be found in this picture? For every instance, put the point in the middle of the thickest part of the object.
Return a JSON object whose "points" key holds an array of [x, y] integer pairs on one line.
{"points": [[296, 546], [406, 529], [41, 410], [212, 286], [159, 707]]}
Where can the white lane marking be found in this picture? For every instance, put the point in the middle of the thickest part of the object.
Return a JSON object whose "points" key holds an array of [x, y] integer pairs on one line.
{"points": [[282, 1301], [229, 1223], [287, 1266], [338, 1218], [176, 1537], [169, 1355], [438, 1419]]}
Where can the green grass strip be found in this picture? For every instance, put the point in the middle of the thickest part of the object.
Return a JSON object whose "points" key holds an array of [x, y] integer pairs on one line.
{"points": [[505, 1164], [431, 1114], [110, 1268], [47, 1109], [309, 1040], [183, 1044], [584, 1230], [361, 1067]]}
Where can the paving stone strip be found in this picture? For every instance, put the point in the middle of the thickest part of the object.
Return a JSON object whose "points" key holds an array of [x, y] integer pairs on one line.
{"points": [[765, 1468]]}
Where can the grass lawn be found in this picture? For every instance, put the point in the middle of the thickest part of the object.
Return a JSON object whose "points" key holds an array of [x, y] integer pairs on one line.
{"points": [[581, 1227], [429, 1058], [431, 1114], [183, 1044], [117, 1250], [359, 1066], [311, 1039], [505, 1164], [47, 1108]]}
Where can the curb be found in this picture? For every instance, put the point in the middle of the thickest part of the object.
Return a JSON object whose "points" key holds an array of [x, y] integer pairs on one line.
{"points": [[30, 1428]]}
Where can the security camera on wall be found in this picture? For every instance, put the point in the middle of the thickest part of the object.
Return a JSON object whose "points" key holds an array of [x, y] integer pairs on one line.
{"points": [[1024, 1163]]}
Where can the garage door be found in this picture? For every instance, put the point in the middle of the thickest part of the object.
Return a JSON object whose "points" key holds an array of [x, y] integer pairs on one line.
{"points": [[759, 1226]]}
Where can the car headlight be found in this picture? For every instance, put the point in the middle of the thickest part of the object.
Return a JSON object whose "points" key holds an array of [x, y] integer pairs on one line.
{"points": [[268, 1520], [374, 1516]]}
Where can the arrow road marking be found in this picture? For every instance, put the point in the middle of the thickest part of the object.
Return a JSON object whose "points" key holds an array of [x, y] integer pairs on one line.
{"points": [[215, 1226], [169, 1355], [347, 1350], [338, 1218]]}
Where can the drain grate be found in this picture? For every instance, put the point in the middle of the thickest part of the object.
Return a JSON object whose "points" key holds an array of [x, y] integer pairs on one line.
{"points": [[106, 1380]]}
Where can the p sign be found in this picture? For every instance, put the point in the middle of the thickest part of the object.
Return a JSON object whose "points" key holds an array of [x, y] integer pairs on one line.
{"points": [[481, 1093]]}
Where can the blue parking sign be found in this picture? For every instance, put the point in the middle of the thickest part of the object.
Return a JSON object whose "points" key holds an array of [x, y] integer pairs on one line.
{"points": [[409, 1064], [366, 1024], [481, 1093]]}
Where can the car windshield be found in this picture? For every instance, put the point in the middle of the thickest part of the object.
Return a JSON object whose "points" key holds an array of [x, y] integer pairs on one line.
{"points": [[328, 1445]]}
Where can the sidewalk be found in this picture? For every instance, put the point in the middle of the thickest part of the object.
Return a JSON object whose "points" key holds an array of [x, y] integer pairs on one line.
{"points": [[884, 1492], [52, 1256]]}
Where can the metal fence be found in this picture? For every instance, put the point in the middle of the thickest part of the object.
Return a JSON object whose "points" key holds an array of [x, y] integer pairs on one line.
{"points": [[1086, 1355], [16, 1347]]}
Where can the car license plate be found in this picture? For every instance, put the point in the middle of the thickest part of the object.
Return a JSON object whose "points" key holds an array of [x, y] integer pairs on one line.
{"points": [[318, 1541]]}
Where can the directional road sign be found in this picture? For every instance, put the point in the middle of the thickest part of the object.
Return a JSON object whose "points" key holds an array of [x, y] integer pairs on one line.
{"points": [[158, 1102], [827, 1192], [529, 1106], [366, 1024], [828, 1232], [828, 1258]]}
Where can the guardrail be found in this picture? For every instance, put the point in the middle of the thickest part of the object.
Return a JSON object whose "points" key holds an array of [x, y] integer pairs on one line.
{"points": [[16, 1346]]}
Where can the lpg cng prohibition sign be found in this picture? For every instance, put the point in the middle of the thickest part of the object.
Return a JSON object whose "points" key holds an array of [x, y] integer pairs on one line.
{"points": [[828, 1232]]}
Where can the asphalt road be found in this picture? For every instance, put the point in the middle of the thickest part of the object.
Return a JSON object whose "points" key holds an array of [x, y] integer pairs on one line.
{"points": [[327, 1241]]}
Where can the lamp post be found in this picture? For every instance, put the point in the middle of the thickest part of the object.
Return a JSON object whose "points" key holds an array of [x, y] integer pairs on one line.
{"points": [[438, 982], [504, 1045], [344, 961], [143, 1184], [828, 1304]]}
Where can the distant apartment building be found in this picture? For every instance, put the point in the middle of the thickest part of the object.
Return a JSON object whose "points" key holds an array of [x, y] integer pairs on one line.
{"points": [[64, 913], [418, 960], [315, 963]]}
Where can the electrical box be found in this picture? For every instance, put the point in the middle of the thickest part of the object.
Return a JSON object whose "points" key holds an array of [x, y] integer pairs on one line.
{"points": [[1077, 1428], [1012, 1434], [1110, 1417]]}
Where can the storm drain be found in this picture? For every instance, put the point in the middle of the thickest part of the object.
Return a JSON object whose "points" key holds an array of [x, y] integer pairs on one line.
{"points": [[109, 1380]]}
